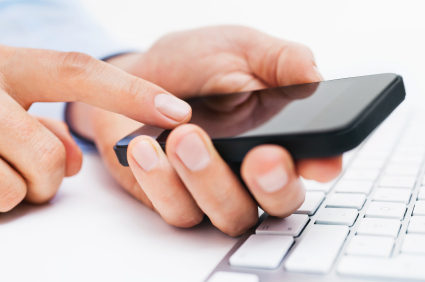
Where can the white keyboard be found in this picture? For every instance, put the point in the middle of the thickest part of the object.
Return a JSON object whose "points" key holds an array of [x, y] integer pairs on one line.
{"points": [[368, 225]]}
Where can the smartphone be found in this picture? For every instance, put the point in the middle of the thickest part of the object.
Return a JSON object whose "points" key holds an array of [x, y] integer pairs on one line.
{"points": [[313, 120]]}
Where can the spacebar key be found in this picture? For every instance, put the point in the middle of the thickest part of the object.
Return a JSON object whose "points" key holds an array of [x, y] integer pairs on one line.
{"points": [[317, 250]]}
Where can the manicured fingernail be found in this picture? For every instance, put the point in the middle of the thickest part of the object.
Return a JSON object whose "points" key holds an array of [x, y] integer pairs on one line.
{"points": [[318, 74], [145, 155], [192, 152], [274, 179], [172, 107]]}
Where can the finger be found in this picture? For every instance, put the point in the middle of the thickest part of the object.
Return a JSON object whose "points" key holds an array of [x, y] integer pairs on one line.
{"points": [[74, 156], [211, 182], [322, 170], [31, 149], [48, 76], [269, 172], [12, 187], [279, 62], [161, 183], [108, 128]]}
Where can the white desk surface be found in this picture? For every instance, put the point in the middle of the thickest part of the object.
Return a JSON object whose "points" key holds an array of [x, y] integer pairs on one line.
{"points": [[94, 231]]}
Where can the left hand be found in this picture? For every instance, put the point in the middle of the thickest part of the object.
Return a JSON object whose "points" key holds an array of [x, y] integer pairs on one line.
{"points": [[180, 186]]}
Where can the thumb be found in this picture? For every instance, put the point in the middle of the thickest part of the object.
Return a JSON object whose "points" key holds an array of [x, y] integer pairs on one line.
{"points": [[33, 75], [279, 62]]}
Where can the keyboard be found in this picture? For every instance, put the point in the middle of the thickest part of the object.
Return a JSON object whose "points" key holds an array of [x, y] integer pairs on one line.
{"points": [[367, 225]]}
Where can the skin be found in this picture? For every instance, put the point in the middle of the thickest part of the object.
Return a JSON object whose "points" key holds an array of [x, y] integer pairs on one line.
{"points": [[193, 63], [114, 99], [37, 153]]}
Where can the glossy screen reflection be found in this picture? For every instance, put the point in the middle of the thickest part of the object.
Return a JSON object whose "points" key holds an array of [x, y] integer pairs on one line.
{"points": [[272, 111], [297, 109]]}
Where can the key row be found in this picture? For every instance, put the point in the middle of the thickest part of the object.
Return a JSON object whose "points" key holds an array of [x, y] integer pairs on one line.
{"points": [[315, 253], [361, 185], [387, 203], [318, 249]]}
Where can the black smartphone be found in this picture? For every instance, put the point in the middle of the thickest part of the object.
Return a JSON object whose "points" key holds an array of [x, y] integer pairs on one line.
{"points": [[311, 120]]}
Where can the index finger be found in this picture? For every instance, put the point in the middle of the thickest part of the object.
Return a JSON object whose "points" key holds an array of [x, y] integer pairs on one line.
{"points": [[33, 75]]}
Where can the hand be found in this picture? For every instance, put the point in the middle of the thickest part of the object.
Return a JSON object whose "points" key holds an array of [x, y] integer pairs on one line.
{"points": [[36, 153], [191, 179]]}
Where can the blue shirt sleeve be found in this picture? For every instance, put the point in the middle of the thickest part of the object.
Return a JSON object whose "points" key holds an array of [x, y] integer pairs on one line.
{"points": [[61, 25]]}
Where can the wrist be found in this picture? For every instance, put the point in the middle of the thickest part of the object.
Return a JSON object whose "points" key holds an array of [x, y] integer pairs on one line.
{"points": [[126, 61]]}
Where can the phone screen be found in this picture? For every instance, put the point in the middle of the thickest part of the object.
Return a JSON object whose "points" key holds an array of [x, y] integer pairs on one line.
{"points": [[305, 108]]}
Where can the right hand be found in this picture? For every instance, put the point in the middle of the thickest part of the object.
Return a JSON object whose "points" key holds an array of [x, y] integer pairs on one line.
{"points": [[192, 179], [36, 153]]}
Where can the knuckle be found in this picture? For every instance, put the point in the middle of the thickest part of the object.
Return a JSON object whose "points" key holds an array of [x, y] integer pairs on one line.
{"points": [[51, 155], [185, 221], [238, 226], [12, 195], [47, 170], [135, 89], [72, 64]]}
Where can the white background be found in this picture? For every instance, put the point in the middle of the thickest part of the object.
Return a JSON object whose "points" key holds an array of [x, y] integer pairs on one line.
{"points": [[348, 38], [93, 231]]}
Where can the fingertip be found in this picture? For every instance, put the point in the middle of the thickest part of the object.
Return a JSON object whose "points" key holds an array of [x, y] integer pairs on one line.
{"points": [[264, 158], [144, 154], [322, 170], [319, 76], [177, 134], [269, 172]]}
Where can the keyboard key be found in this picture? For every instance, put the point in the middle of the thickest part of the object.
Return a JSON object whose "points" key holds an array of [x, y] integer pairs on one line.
{"points": [[401, 169], [421, 195], [317, 251], [347, 157], [386, 210], [413, 151], [406, 159], [370, 246], [379, 227], [291, 225], [222, 276], [396, 195], [398, 181], [354, 186], [416, 225], [367, 163], [312, 185], [372, 153], [340, 200], [337, 216], [402, 267], [413, 244], [419, 208], [262, 251], [360, 174], [311, 203]]}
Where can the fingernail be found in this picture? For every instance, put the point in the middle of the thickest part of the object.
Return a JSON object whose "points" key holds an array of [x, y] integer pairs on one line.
{"points": [[145, 155], [172, 107], [318, 74], [192, 152], [274, 179]]}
